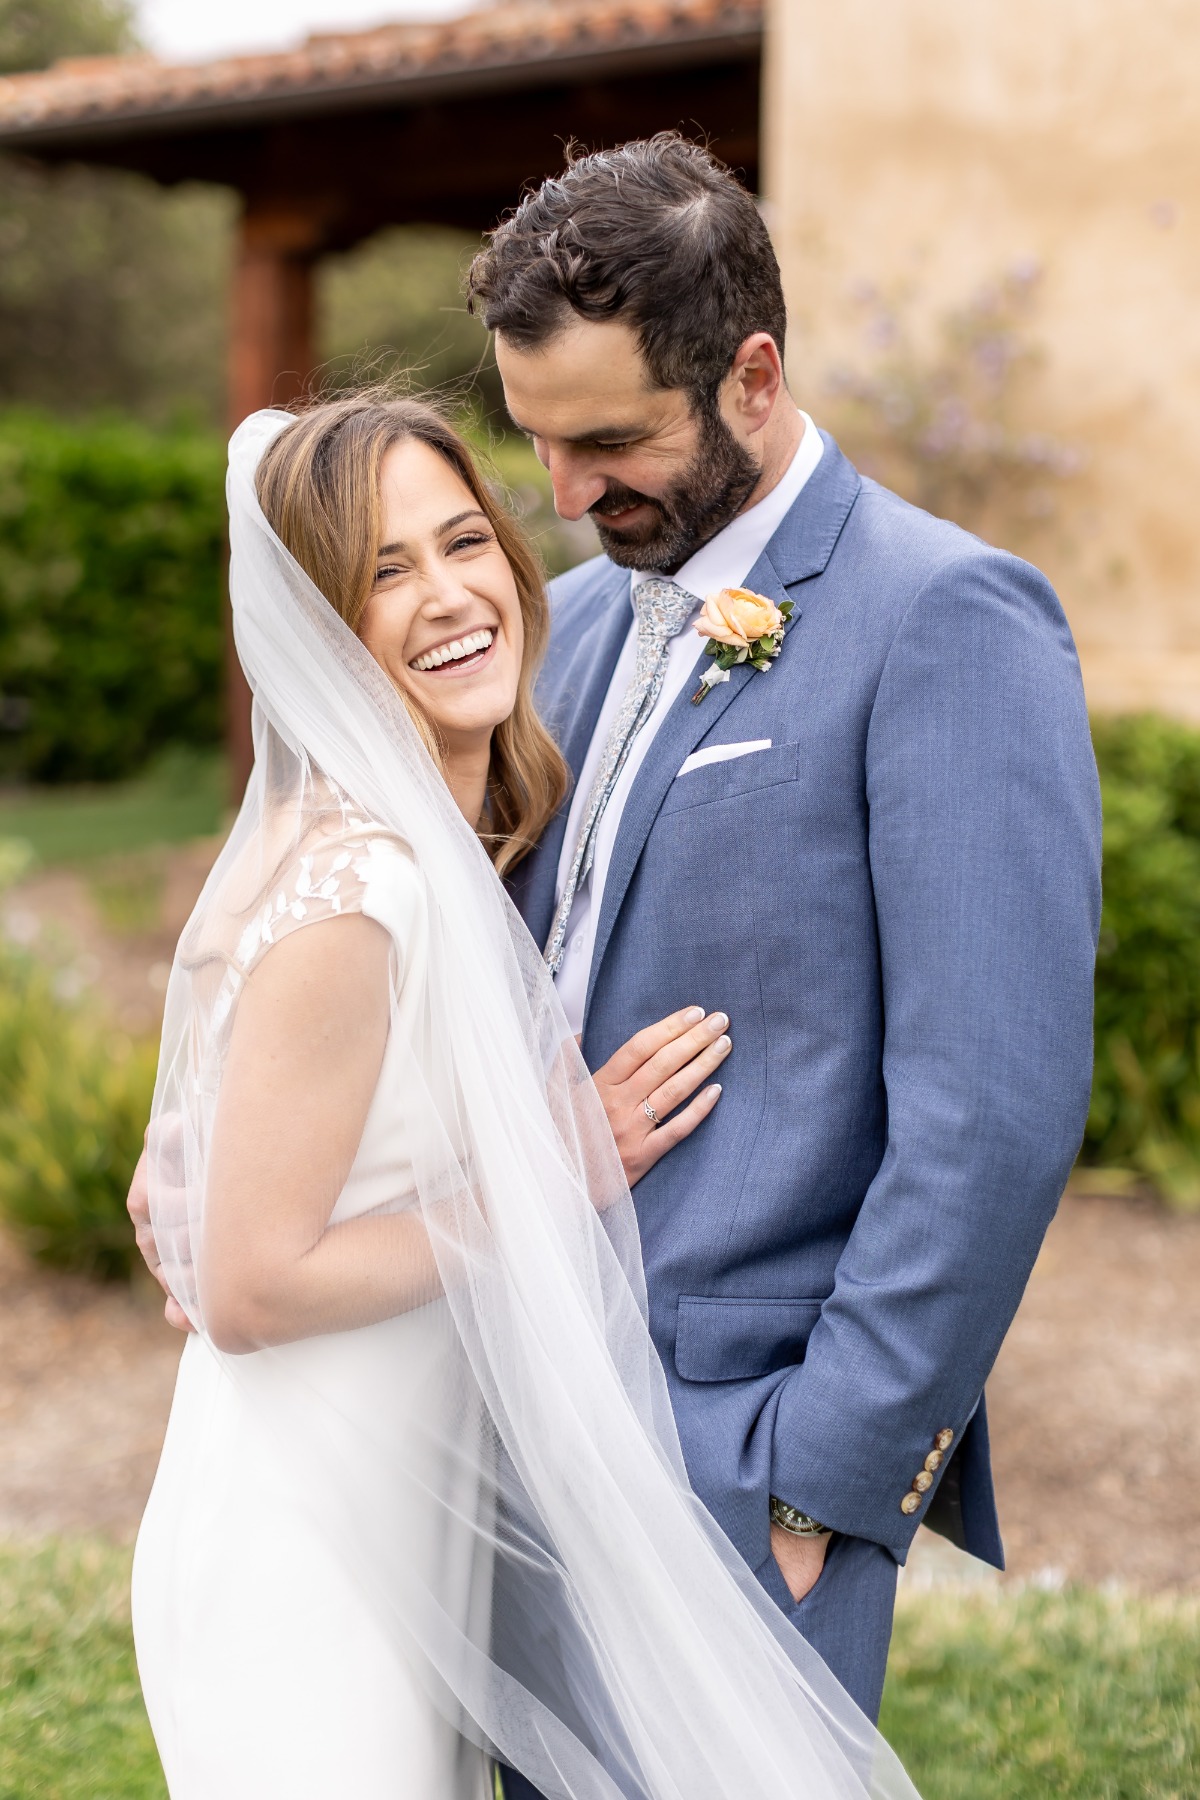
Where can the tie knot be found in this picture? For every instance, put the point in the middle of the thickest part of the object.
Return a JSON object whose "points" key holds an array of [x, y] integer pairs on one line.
{"points": [[663, 608]]}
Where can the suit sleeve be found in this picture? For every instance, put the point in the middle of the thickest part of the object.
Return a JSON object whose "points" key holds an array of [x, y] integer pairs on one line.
{"points": [[984, 841]]}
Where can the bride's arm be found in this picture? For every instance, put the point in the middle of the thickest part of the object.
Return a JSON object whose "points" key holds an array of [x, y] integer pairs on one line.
{"points": [[304, 1058]]}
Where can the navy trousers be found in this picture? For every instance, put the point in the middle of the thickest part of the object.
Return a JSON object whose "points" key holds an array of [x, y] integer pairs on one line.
{"points": [[846, 1617]]}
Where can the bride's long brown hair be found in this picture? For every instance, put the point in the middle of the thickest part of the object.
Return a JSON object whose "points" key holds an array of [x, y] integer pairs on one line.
{"points": [[319, 486]]}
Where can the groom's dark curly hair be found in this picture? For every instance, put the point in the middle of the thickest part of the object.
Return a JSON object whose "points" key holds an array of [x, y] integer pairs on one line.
{"points": [[658, 234]]}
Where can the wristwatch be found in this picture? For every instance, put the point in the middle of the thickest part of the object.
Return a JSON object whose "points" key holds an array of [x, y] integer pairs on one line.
{"points": [[800, 1524]]}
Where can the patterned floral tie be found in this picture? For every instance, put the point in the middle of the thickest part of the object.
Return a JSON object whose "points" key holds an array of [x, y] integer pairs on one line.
{"points": [[663, 609]]}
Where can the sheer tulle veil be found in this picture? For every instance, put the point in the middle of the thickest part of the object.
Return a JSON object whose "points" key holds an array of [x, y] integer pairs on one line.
{"points": [[609, 1641]]}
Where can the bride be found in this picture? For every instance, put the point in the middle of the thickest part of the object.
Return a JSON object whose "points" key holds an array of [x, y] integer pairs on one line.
{"points": [[421, 1505]]}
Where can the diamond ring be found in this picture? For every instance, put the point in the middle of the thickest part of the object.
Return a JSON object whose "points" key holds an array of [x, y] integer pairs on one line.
{"points": [[649, 1112]]}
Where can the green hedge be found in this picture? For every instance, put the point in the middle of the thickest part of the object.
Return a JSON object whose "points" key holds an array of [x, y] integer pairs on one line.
{"points": [[111, 622], [1145, 1113]]}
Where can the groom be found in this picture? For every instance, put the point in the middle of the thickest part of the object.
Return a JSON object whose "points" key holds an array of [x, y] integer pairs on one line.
{"points": [[880, 856]]}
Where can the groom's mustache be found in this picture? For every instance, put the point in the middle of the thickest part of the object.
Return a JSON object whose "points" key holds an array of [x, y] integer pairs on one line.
{"points": [[618, 499]]}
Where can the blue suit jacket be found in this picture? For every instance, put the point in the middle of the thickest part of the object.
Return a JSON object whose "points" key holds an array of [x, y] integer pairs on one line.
{"points": [[897, 904]]}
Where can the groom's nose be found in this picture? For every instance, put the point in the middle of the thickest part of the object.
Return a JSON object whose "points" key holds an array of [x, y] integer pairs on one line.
{"points": [[577, 487]]}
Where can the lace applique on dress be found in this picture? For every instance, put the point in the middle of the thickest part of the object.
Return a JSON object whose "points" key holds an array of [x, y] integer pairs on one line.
{"points": [[325, 882], [322, 884]]}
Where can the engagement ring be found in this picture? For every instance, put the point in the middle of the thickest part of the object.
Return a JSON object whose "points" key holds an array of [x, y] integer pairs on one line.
{"points": [[649, 1112]]}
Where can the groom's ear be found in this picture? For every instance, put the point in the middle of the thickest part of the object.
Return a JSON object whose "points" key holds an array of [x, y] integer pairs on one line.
{"points": [[752, 388]]}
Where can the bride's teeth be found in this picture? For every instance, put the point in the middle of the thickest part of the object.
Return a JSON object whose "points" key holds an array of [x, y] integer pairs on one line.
{"points": [[454, 652]]}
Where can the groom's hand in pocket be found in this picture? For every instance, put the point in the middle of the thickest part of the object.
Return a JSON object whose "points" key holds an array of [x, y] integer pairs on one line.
{"points": [[800, 1560], [652, 1075]]}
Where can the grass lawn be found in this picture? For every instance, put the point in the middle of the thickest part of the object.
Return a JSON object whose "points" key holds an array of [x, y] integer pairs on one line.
{"points": [[184, 796], [1016, 1696], [71, 1717]]}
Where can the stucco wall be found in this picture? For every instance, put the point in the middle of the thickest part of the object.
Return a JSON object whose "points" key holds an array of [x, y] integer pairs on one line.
{"points": [[937, 142]]}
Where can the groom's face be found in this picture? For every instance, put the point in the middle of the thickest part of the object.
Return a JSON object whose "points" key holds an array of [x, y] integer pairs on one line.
{"points": [[657, 476]]}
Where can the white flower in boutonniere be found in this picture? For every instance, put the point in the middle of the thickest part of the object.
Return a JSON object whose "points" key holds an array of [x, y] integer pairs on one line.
{"points": [[740, 627]]}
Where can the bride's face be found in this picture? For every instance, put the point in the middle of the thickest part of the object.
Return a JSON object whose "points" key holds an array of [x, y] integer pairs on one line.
{"points": [[443, 619]]}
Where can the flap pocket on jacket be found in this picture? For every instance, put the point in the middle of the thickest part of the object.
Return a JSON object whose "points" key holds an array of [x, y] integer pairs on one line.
{"points": [[728, 1339]]}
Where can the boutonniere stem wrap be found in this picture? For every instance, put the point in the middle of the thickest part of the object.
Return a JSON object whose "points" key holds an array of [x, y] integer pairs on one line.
{"points": [[740, 627]]}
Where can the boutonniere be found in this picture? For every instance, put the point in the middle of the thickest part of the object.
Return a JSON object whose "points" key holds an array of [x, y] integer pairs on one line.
{"points": [[740, 627]]}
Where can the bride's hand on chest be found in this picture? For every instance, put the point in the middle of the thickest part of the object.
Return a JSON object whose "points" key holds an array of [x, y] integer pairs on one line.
{"points": [[652, 1075]]}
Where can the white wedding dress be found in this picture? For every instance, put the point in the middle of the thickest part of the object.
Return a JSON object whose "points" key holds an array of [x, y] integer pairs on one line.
{"points": [[266, 1666]]}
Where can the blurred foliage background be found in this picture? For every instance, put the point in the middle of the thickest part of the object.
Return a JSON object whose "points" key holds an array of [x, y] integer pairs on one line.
{"points": [[111, 636]]}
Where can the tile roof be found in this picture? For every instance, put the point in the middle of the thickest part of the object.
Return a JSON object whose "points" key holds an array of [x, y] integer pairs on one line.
{"points": [[496, 40]]}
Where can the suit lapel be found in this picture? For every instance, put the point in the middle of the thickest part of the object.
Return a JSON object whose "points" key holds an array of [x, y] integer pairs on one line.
{"points": [[800, 549], [580, 684]]}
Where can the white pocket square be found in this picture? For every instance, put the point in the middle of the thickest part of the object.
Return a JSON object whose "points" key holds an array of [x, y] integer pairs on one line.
{"points": [[714, 753]]}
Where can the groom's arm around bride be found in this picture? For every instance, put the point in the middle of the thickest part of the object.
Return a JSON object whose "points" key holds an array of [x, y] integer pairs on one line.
{"points": [[892, 887]]}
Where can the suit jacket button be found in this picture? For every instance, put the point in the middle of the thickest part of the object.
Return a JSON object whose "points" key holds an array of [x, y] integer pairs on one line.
{"points": [[944, 1439], [933, 1460], [923, 1482], [910, 1503]]}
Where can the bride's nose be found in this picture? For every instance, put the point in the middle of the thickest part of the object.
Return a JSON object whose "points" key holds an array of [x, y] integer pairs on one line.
{"points": [[442, 592]]}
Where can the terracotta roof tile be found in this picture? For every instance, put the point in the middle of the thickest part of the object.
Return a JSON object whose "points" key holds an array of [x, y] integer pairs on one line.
{"points": [[504, 34]]}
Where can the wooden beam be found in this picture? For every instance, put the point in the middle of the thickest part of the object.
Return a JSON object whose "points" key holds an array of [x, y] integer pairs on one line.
{"points": [[271, 357]]}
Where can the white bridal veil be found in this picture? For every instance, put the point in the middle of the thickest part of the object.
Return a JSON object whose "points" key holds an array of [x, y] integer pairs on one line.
{"points": [[605, 1637]]}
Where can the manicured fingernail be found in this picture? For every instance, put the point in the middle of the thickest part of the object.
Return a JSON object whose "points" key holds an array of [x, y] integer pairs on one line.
{"points": [[715, 1090], [694, 1014], [724, 1044], [719, 1021]]}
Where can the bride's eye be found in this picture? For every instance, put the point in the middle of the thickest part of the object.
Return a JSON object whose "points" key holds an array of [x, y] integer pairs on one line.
{"points": [[388, 572], [471, 539]]}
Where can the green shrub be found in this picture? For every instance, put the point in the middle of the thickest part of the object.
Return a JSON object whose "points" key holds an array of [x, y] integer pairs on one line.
{"points": [[1145, 1112], [74, 1100], [111, 619]]}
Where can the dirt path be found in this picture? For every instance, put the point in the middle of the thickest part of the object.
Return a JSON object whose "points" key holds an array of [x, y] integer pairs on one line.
{"points": [[1095, 1404]]}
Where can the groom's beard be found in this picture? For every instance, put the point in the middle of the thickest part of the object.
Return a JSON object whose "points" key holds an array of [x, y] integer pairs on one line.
{"points": [[712, 490]]}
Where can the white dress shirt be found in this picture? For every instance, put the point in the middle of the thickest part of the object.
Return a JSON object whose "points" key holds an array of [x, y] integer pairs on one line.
{"points": [[725, 561]]}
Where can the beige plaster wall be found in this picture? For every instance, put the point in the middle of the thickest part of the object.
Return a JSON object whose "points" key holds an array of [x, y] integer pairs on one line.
{"points": [[937, 142]]}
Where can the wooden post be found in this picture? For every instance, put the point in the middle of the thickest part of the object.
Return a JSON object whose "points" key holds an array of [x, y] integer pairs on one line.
{"points": [[271, 356]]}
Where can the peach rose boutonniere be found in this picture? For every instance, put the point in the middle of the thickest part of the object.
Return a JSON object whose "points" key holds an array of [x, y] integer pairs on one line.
{"points": [[740, 627]]}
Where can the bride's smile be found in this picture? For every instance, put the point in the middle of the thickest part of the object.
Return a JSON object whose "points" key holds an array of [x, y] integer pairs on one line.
{"points": [[459, 656]]}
